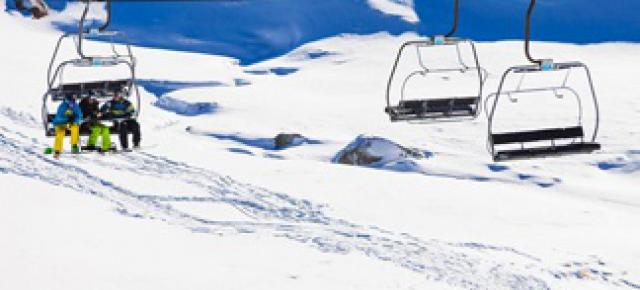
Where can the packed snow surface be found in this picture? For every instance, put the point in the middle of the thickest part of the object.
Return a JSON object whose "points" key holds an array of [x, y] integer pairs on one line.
{"points": [[215, 206]]}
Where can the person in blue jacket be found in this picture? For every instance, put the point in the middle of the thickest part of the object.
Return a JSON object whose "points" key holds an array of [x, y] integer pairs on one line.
{"points": [[120, 108], [68, 117]]}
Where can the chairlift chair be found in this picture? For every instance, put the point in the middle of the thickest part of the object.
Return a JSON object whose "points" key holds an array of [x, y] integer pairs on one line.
{"points": [[401, 107], [57, 88], [545, 141]]}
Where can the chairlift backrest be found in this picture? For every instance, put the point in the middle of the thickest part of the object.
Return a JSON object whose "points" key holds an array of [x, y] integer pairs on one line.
{"points": [[98, 89]]}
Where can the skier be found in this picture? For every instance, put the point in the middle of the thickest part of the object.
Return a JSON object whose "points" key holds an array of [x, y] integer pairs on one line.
{"points": [[89, 108], [120, 108], [68, 117]]}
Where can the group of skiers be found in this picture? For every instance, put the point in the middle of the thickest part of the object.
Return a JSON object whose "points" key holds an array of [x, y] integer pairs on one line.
{"points": [[87, 115]]}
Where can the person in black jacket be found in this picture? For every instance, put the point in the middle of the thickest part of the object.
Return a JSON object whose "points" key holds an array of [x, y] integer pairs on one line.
{"points": [[120, 108], [91, 112]]}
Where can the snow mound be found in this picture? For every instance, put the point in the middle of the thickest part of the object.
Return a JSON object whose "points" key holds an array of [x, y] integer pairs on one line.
{"points": [[377, 152], [184, 108]]}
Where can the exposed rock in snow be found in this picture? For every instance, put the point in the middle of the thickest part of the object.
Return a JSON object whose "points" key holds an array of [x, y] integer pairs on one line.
{"points": [[37, 8], [284, 140], [374, 152]]}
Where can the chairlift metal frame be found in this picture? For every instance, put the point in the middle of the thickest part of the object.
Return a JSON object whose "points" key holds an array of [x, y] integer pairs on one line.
{"points": [[436, 109], [115, 59], [574, 135]]}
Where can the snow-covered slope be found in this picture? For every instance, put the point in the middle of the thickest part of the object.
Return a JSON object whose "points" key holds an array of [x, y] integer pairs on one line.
{"points": [[216, 206]]}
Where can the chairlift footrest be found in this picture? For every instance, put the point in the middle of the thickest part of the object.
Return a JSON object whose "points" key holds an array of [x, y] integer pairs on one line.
{"points": [[574, 148], [537, 135], [433, 109]]}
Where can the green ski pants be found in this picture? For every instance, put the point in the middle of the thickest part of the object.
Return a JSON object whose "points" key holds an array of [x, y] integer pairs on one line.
{"points": [[103, 131]]}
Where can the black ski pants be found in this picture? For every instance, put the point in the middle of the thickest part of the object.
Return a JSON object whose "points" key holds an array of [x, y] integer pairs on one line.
{"points": [[126, 127]]}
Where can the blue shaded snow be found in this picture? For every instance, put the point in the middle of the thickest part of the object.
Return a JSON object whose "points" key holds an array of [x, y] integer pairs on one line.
{"points": [[241, 82], [540, 181], [240, 151], [497, 167], [258, 72], [185, 108], [283, 71], [280, 71], [252, 31], [161, 87], [629, 163], [255, 142], [262, 143], [319, 54], [606, 165]]}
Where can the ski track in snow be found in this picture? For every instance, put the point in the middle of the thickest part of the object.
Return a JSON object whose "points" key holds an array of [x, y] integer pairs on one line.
{"points": [[466, 265]]}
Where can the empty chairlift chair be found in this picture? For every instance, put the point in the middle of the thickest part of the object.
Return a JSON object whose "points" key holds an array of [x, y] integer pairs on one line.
{"points": [[400, 106], [544, 141], [102, 90]]}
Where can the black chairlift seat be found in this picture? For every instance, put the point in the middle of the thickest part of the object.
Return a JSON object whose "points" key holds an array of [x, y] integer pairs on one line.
{"points": [[99, 89], [410, 110], [541, 151]]}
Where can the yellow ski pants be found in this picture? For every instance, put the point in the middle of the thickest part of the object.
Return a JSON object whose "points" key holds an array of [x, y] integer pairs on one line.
{"points": [[61, 131]]}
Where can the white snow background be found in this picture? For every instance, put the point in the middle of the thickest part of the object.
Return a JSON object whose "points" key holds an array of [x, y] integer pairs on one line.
{"points": [[210, 204]]}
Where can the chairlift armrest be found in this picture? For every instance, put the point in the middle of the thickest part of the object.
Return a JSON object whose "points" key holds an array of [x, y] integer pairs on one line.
{"points": [[547, 66], [96, 61], [94, 32]]}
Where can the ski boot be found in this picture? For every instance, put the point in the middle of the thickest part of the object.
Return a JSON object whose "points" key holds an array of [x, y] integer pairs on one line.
{"points": [[75, 149]]}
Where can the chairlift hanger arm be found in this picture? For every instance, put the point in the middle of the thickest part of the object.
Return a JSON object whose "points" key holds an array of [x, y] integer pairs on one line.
{"points": [[108, 19], [527, 34], [83, 18], [456, 16]]}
